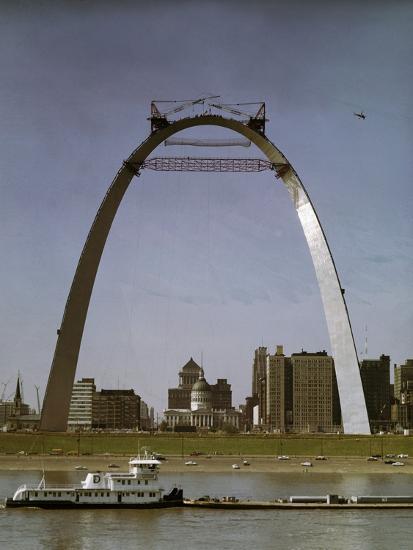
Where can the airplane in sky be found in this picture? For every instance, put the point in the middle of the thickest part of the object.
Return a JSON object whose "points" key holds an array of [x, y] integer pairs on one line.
{"points": [[360, 115]]}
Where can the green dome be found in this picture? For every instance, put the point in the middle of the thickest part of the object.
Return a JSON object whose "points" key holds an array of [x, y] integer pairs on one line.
{"points": [[201, 385]]}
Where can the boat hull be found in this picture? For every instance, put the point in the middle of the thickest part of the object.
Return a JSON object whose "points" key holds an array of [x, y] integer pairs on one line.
{"points": [[255, 505], [65, 504]]}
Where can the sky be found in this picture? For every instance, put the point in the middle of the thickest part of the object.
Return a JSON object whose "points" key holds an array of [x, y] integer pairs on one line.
{"points": [[203, 265]]}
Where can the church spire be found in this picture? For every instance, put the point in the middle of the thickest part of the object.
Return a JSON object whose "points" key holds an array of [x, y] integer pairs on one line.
{"points": [[18, 395]]}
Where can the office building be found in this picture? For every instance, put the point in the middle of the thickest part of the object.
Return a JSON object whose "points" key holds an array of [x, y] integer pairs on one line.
{"points": [[402, 375], [279, 398], [116, 410], [375, 377], [80, 411], [312, 376]]}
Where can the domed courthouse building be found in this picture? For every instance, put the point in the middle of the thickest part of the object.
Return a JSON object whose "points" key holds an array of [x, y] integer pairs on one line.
{"points": [[199, 405]]}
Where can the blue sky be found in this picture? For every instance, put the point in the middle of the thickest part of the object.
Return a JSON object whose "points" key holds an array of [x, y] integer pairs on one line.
{"points": [[202, 263]]}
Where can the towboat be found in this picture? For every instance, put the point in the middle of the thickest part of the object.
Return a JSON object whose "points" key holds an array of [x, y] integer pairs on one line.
{"points": [[138, 488]]}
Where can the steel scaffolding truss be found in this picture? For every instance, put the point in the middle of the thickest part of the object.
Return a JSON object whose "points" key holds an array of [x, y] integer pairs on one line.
{"points": [[196, 164]]}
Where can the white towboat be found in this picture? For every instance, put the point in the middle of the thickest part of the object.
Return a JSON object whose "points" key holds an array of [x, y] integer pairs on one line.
{"points": [[138, 488]]}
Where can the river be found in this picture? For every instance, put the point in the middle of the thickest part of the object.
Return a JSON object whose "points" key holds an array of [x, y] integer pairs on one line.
{"points": [[173, 529]]}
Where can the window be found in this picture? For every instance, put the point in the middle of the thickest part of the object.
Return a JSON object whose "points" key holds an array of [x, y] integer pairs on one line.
{"points": [[146, 482], [35, 493], [128, 481]]}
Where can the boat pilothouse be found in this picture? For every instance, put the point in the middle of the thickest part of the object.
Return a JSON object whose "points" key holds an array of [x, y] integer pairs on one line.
{"points": [[138, 488]]}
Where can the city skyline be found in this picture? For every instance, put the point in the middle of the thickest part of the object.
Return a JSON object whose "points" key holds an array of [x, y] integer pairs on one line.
{"points": [[211, 264]]}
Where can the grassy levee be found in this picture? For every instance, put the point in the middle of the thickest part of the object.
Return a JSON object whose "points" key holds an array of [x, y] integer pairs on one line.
{"points": [[175, 444]]}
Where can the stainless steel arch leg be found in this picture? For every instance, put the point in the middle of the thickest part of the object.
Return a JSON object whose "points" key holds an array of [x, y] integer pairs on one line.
{"points": [[353, 408]]}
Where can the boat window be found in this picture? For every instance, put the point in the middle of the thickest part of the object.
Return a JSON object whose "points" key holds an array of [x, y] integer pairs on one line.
{"points": [[96, 494], [35, 493], [128, 481], [107, 494], [45, 493], [59, 494], [54, 493], [139, 482], [123, 482]]}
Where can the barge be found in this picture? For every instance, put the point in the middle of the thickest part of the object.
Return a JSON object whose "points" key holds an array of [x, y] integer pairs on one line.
{"points": [[325, 502]]}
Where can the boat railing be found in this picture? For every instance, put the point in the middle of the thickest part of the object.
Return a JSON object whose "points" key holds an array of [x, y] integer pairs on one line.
{"points": [[47, 487]]}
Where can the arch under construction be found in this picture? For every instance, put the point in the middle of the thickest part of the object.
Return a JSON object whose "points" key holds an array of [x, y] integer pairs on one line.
{"points": [[62, 374]]}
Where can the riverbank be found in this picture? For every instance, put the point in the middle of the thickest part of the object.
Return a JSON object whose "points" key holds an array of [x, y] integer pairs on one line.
{"points": [[303, 445], [215, 464]]}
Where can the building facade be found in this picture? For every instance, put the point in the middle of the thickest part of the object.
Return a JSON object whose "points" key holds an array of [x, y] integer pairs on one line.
{"points": [[116, 410], [312, 375], [259, 387], [279, 398], [402, 375], [180, 397], [375, 377], [296, 394], [146, 421], [80, 411], [201, 414]]}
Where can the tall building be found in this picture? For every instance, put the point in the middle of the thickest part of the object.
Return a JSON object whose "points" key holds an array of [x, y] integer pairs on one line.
{"points": [[221, 394], [312, 391], [402, 375], [405, 406], [116, 410], [259, 367], [80, 411], [145, 423], [259, 386], [279, 402], [375, 377], [297, 393], [180, 397]]}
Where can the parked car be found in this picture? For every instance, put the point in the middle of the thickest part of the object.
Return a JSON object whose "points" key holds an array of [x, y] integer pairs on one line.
{"points": [[191, 463], [397, 463], [321, 457], [401, 455], [283, 457], [235, 466], [306, 464], [372, 459]]}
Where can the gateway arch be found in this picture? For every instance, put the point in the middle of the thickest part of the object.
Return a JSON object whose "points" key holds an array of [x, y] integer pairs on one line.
{"points": [[62, 373]]}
